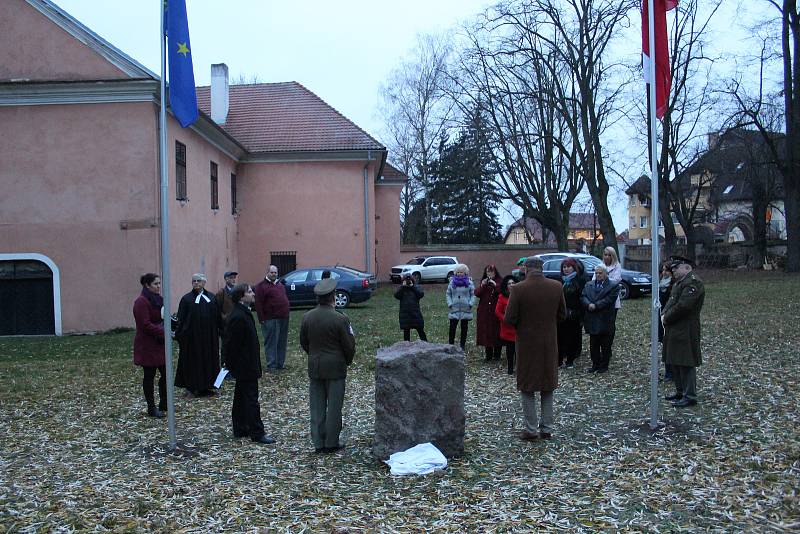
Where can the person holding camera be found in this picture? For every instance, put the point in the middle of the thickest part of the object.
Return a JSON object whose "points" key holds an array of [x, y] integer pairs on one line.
{"points": [[409, 295]]}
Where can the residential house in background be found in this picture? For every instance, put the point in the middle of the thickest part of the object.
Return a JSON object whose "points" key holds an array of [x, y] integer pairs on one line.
{"points": [[268, 174], [723, 179], [583, 230]]}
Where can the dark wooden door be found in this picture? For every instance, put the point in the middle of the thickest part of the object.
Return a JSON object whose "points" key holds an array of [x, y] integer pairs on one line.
{"points": [[26, 298]]}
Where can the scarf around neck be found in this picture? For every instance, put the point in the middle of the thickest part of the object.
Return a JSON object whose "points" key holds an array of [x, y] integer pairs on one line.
{"points": [[153, 298], [461, 281], [569, 278]]}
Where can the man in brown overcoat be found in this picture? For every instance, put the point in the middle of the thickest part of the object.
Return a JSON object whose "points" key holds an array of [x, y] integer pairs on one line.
{"points": [[535, 307]]}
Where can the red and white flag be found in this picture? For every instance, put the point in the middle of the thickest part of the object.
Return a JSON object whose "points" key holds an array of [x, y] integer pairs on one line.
{"points": [[663, 77]]}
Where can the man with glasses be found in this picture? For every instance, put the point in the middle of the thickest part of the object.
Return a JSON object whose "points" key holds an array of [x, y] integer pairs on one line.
{"points": [[198, 337], [272, 307]]}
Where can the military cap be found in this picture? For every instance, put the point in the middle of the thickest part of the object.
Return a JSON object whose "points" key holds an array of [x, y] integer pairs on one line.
{"points": [[675, 261], [325, 287]]}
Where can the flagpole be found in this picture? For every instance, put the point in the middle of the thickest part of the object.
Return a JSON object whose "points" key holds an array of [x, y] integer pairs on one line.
{"points": [[165, 275], [654, 217]]}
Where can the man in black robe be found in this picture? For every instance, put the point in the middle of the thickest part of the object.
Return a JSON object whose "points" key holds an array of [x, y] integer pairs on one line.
{"points": [[198, 337]]}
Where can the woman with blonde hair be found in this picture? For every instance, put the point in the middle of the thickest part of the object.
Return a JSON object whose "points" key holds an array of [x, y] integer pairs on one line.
{"points": [[460, 296]]}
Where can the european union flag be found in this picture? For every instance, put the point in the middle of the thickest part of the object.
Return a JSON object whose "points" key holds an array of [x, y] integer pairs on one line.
{"points": [[182, 95]]}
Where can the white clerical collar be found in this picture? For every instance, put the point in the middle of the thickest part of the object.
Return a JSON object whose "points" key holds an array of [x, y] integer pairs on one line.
{"points": [[203, 295]]}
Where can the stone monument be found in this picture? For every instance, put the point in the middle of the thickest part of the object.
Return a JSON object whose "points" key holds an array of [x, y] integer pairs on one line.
{"points": [[419, 398]]}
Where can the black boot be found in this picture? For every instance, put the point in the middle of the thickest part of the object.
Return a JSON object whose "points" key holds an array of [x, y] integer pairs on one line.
{"points": [[489, 354], [152, 411]]}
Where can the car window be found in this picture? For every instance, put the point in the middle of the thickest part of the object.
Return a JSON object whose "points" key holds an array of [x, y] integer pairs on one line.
{"points": [[552, 265], [448, 261], [296, 277], [316, 274], [415, 261]]}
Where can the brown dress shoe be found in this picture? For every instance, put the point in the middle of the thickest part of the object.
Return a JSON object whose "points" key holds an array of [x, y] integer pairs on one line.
{"points": [[528, 436], [545, 435]]}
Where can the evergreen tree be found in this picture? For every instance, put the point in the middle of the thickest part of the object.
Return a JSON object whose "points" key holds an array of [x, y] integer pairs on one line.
{"points": [[463, 193]]}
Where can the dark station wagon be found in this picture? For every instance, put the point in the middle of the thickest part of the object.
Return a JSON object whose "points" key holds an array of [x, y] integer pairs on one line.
{"points": [[352, 286]]}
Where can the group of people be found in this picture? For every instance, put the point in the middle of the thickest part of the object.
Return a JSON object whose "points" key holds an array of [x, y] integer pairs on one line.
{"points": [[539, 321], [203, 320]]}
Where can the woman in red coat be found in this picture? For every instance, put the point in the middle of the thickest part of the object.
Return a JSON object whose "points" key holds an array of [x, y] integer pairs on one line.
{"points": [[508, 334], [148, 344], [488, 328]]}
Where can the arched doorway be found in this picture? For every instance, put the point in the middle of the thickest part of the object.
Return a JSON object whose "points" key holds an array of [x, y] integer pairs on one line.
{"points": [[29, 295]]}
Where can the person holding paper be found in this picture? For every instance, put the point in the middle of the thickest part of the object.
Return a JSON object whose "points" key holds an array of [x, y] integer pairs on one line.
{"points": [[243, 355]]}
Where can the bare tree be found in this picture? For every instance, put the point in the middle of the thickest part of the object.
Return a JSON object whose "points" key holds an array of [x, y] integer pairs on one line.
{"points": [[503, 72], [416, 105], [576, 35], [757, 111], [689, 105]]}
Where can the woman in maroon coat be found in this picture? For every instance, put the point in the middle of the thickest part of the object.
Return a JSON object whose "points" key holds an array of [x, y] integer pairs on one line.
{"points": [[148, 344], [488, 329]]}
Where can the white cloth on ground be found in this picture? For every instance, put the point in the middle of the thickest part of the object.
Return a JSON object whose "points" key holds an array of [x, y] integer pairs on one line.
{"points": [[418, 460]]}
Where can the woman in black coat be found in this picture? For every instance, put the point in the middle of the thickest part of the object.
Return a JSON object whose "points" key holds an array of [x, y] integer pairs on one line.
{"points": [[570, 336], [409, 295], [598, 299]]}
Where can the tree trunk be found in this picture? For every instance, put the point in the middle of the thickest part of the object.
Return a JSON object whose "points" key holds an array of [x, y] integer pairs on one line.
{"points": [[669, 227]]}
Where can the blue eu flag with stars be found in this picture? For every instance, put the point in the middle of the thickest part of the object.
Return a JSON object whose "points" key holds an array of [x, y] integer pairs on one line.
{"points": [[182, 95]]}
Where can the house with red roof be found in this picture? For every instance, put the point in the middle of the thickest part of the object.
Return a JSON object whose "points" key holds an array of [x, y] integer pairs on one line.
{"points": [[269, 173]]}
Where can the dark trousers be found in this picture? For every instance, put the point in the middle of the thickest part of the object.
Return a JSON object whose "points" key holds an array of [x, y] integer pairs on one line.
{"points": [[570, 341], [493, 353], [600, 348], [147, 387], [420, 333], [246, 413], [511, 349], [464, 326], [685, 381]]}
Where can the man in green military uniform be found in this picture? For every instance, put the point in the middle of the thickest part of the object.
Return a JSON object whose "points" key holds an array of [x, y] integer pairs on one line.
{"points": [[327, 337], [681, 319]]}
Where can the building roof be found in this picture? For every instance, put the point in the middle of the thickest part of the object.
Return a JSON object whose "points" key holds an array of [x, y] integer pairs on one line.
{"points": [[393, 175], [577, 221], [640, 187], [736, 160], [286, 117]]}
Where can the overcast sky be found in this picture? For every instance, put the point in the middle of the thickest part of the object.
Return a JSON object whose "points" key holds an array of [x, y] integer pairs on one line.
{"points": [[342, 51]]}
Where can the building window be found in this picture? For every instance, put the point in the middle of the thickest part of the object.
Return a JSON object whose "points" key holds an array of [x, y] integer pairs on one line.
{"points": [[633, 200], [234, 203], [643, 221], [633, 222], [214, 187], [180, 171]]}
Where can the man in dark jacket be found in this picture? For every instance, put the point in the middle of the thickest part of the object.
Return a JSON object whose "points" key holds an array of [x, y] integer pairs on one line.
{"points": [[225, 305], [535, 306], [327, 337], [681, 319], [272, 306], [598, 299], [244, 362]]}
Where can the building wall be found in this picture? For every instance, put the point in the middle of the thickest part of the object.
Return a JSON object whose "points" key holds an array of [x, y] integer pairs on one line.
{"points": [[313, 208], [33, 48], [201, 239], [73, 176], [387, 228]]}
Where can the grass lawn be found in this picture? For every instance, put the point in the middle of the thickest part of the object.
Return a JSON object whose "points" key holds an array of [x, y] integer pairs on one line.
{"points": [[78, 453]]}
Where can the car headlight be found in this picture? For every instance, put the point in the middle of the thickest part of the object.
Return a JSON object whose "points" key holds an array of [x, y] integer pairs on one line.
{"points": [[642, 279]]}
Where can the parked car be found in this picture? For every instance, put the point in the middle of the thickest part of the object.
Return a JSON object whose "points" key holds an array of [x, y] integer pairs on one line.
{"points": [[353, 286], [426, 269], [634, 283]]}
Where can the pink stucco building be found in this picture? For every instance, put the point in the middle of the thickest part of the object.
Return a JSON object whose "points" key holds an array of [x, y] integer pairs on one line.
{"points": [[268, 171]]}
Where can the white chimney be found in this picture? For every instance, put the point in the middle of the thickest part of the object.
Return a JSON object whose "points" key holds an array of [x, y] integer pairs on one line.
{"points": [[219, 93]]}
